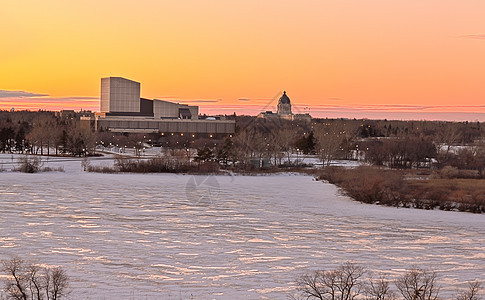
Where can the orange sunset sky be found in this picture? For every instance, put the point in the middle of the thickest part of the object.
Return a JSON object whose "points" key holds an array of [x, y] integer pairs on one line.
{"points": [[342, 58]]}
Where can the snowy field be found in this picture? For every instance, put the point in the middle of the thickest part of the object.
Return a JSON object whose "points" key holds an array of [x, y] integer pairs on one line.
{"points": [[162, 236]]}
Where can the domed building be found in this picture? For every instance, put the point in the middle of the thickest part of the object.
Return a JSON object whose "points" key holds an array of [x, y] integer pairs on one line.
{"points": [[284, 111], [284, 106]]}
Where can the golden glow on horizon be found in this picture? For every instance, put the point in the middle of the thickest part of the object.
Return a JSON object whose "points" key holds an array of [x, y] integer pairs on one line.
{"points": [[326, 54]]}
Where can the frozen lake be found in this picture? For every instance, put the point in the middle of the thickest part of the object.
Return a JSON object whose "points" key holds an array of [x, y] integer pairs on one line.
{"points": [[132, 236]]}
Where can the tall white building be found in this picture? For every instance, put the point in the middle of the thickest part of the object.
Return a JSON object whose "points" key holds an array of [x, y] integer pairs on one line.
{"points": [[119, 95]]}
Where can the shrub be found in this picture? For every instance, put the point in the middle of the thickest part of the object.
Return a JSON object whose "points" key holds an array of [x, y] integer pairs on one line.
{"points": [[393, 188], [153, 165], [29, 164], [51, 169], [449, 172], [101, 169], [209, 167], [367, 184]]}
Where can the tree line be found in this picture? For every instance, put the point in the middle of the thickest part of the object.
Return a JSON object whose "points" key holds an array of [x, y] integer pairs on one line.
{"points": [[351, 281], [43, 133], [395, 144]]}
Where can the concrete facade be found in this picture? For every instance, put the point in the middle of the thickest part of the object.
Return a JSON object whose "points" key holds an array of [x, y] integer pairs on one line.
{"points": [[122, 110], [119, 95], [164, 109], [167, 126]]}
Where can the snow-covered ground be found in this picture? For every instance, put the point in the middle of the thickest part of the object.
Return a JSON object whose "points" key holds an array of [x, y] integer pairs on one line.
{"points": [[315, 161], [163, 236], [294, 158]]}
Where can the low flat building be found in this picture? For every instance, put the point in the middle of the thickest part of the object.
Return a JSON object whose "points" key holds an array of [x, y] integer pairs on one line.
{"points": [[166, 126]]}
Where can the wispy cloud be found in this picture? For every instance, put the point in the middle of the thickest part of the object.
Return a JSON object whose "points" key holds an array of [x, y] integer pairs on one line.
{"points": [[50, 103], [480, 36], [376, 111], [385, 111], [80, 98], [177, 99], [244, 99], [164, 98], [19, 94], [203, 101], [54, 100], [398, 107]]}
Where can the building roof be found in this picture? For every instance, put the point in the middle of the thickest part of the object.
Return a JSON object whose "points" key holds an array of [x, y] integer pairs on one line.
{"points": [[284, 99]]}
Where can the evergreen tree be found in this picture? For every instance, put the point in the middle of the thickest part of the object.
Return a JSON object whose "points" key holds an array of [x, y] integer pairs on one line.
{"points": [[20, 139], [306, 144]]}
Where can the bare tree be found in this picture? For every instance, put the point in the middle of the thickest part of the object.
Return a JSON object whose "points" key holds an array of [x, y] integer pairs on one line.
{"points": [[472, 291], [342, 283], [44, 133], [418, 284], [33, 281], [16, 284], [329, 140], [379, 289], [349, 285], [36, 282], [243, 145], [285, 140], [81, 139], [310, 285], [448, 135], [58, 284]]}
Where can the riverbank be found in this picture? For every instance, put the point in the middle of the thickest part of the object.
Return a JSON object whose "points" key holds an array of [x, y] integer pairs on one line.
{"points": [[422, 189], [408, 188]]}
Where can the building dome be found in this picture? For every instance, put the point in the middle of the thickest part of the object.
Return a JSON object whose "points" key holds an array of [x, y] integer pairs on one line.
{"points": [[284, 99], [284, 106]]}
